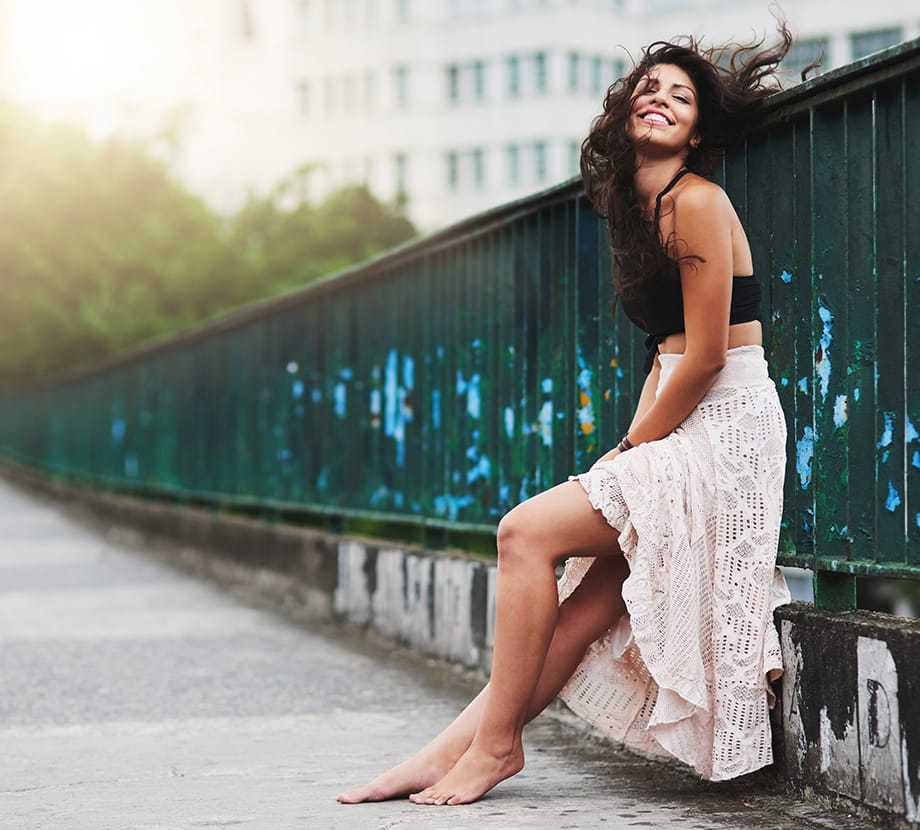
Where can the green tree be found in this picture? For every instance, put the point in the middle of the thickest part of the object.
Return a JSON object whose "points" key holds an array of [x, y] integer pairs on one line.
{"points": [[102, 249]]}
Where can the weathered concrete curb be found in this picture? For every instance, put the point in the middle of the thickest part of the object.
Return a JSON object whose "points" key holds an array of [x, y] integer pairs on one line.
{"points": [[851, 706], [850, 717], [439, 604]]}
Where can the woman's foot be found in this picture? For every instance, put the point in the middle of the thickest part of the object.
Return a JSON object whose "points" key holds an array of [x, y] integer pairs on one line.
{"points": [[471, 777], [420, 771]]}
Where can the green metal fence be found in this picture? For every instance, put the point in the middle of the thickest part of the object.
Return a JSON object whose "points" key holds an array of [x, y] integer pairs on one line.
{"points": [[440, 384]]}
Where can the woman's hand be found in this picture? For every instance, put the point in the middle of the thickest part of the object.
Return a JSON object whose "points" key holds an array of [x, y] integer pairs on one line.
{"points": [[607, 456]]}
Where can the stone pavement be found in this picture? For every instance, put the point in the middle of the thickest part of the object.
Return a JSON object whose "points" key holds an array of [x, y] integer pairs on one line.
{"points": [[134, 695]]}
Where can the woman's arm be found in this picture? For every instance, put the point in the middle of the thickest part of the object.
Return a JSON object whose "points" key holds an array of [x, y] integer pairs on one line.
{"points": [[702, 227]]}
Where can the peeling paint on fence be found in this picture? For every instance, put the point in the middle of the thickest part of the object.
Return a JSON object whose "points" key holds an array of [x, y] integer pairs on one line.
{"points": [[822, 355], [805, 450]]}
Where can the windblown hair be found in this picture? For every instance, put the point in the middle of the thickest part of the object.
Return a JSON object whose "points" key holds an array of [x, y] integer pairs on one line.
{"points": [[730, 82]]}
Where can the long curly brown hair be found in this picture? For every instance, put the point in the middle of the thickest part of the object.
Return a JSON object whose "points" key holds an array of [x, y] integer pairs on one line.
{"points": [[730, 81]]}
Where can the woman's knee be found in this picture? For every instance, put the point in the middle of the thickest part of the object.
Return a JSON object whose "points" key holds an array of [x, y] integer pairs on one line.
{"points": [[515, 539]]}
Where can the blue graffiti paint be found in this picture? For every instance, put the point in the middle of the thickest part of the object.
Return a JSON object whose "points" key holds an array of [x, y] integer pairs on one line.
{"points": [[391, 394], [436, 408], [481, 469], [297, 390], [916, 459], [887, 432], [118, 430], [339, 396], [509, 422], [473, 401], [805, 450], [910, 431], [375, 408], [547, 386], [786, 277], [408, 372], [856, 394], [803, 386], [545, 421], [451, 506], [894, 498], [840, 411], [823, 358], [461, 383], [784, 382]]}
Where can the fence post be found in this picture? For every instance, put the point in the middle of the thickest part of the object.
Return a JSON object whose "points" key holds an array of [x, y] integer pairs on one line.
{"points": [[835, 591]]}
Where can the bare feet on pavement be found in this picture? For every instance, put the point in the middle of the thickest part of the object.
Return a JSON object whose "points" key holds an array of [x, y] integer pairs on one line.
{"points": [[471, 778], [418, 772]]}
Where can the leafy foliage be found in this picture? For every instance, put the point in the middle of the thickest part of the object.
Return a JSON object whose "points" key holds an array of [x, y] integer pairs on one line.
{"points": [[101, 249]]}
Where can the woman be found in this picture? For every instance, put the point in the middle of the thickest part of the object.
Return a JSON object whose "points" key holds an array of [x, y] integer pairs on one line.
{"points": [[664, 633]]}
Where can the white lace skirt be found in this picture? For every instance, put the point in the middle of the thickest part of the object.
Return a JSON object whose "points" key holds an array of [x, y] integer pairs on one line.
{"points": [[685, 673]]}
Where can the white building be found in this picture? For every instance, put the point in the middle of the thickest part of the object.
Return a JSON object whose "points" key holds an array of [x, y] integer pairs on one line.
{"points": [[459, 105], [465, 104]]}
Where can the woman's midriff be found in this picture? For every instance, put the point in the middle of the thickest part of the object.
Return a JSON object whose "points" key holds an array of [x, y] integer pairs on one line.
{"points": [[740, 334]]}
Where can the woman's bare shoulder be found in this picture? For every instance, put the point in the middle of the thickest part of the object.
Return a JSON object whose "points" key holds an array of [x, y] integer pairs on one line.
{"points": [[700, 195]]}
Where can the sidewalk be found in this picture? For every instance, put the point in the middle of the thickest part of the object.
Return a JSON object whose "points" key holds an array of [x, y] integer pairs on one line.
{"points": [[136, 696]]}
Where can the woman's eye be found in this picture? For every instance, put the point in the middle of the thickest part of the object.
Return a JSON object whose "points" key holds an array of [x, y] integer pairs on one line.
{"points": [[681, 99]]}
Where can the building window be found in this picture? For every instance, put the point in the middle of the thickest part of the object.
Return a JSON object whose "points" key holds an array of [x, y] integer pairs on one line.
{"points": [[349, 94], [401, 86], [802, 53], [453, 83], [514, 164], [479, 81], [865, 43], [303, 97], [574, 60], [453, 170], [479, 167], [400, 168], [514, 76], [402, 10], [597, 75], [539, 160], [539, 72], [329, 95], [617, 70], [574, 157]]}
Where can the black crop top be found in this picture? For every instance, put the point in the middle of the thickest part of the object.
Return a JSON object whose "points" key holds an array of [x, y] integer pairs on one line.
{"points": [[662, 313]]}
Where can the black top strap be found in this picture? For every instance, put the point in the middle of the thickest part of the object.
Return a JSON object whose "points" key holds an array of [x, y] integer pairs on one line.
{"points": [[677, 177]]}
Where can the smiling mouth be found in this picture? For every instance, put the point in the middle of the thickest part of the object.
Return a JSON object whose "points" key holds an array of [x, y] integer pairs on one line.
{"points": [[656, 119]]}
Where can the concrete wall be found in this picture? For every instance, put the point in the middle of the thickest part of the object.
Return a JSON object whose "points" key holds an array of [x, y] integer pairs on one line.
{"points": [[850, 717], [851, 706]]}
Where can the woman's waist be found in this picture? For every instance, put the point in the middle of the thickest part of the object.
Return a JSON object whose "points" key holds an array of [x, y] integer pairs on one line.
{"points": [[739, 334], [744, 366]]}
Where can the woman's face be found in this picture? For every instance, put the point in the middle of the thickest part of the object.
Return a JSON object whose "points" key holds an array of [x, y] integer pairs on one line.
{"points": [[664, 111]]}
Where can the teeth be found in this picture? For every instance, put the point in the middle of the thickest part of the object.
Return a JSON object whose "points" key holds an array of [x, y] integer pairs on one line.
{"points": [[655, 118]]}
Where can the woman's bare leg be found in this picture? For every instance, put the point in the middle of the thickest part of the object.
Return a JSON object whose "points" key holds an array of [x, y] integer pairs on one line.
{"points": [[587, 614], [531, 540]]}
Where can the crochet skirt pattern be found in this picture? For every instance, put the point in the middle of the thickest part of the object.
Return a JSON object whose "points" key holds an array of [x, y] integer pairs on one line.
{"points": [[685, 673]]}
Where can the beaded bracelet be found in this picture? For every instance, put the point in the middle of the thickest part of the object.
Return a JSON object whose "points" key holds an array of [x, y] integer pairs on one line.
{"points": [[625, 443]]}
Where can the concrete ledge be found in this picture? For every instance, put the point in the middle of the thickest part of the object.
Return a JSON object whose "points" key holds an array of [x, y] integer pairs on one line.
{"points": [[439, 604], [851, 707]]}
